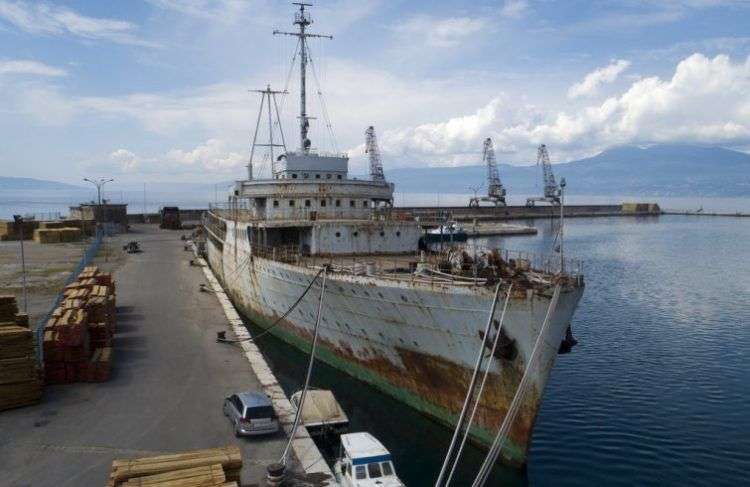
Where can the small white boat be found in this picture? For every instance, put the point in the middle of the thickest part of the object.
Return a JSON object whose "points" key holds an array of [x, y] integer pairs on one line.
{"points": [[321, 414], [449, 232], [365, 462]]}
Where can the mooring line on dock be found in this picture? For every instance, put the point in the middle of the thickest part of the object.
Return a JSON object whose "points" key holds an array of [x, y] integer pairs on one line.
{"points": [[470, 391], [502, 434], [310, 364], [481, 387]]}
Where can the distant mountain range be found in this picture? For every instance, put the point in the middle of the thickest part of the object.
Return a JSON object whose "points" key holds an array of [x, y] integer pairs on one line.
{"points": [[659, 170], [31, 183]]}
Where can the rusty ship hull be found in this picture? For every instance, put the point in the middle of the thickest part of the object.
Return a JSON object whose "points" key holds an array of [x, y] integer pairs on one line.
{"points": [[415, 342]]}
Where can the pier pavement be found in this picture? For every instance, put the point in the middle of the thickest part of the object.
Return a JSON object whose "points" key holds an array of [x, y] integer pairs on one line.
{"points": [[169, 379]]}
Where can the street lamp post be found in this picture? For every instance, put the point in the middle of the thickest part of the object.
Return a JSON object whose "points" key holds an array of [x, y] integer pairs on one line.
{"points": [[99, 183]]}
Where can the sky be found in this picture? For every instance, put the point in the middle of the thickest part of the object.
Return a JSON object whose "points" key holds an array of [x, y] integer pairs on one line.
{"points": [[159, 90]]}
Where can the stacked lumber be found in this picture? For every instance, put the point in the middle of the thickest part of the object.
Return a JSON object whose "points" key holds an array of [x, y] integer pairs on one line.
{"points": [[212, 467], [57, 235], [10, 230], [8, 309], [78, 336], [20, 384]]}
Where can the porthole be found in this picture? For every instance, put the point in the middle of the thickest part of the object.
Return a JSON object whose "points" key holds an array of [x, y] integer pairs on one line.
{"points": [[317, 176], [382, 234], [338, 234], [398, 234], [356, 234], [403, 298]]}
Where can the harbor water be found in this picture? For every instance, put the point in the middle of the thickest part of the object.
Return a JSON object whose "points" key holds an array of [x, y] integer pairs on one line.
{"points": [[657, 392]]}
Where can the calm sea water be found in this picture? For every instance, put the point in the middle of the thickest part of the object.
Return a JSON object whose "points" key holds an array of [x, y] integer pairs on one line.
{"points": [[656, 393]]}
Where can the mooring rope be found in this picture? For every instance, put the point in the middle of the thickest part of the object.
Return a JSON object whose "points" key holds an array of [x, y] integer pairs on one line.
{"points": [[301, 404], [502, 434], [280, 318], [481, 388], [470, 392]]}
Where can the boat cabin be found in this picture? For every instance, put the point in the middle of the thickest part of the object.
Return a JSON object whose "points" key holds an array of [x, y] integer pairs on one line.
{"points": [[365, 461]]}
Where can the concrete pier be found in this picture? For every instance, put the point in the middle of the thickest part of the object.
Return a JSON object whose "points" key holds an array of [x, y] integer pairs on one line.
{"points": [[169, 380]]}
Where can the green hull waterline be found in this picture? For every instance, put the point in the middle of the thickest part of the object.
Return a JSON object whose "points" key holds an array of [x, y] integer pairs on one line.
{"points": [[511, 453]]}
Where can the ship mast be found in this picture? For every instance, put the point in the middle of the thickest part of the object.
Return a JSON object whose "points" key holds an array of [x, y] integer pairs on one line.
{"points": [[302, 19]]}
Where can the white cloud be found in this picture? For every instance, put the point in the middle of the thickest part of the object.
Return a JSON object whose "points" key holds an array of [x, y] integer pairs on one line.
{"points": [[514, 9], [48, 19], [592, 81], [439, 33], [211, 157], [705, 101], [25, 66]]}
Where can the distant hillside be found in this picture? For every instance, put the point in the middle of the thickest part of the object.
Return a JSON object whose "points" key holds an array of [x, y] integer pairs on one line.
{"points": [[31, 183], [660, 170]]}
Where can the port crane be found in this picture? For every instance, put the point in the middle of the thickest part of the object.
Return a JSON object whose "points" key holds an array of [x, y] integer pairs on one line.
{"points": [[495, 189], [371, 149], [551, 188]]}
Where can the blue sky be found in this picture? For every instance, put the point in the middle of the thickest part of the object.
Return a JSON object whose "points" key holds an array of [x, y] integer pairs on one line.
{"points": [[157, 90]]}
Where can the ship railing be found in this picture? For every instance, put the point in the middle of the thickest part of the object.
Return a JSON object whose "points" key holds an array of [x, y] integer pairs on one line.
{"points": [[243, 213], [420, 267]]}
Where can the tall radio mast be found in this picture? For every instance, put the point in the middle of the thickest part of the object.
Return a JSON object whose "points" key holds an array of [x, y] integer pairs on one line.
{"points": [[302, 19]]}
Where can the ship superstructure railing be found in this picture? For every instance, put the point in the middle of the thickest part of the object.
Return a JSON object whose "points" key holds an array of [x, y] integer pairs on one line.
{"points": [[246, 214]]}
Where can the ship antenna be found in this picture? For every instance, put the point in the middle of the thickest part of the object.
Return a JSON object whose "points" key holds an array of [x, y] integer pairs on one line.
{"points": [[302, 19], [268, 95]]}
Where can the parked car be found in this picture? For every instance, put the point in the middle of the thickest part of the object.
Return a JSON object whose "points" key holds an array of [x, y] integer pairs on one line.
{"points": [[251, 413]]}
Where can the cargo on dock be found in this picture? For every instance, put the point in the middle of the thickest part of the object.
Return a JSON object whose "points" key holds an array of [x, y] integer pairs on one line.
{"points": [[20, 384]]}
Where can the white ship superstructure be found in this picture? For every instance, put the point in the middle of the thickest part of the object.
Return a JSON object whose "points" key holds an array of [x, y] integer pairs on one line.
{"points": [[406, 321]]}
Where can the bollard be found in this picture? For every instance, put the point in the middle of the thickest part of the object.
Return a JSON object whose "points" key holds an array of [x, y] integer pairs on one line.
{"points": [[275, 474]]}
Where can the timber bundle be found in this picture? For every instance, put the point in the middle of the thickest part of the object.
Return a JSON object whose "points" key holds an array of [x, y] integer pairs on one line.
{"points": [[213, 467], [78, 336], [20, 384]]}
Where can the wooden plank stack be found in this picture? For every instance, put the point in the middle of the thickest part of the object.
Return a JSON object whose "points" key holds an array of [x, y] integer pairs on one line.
{"points": [[212, 467], [20, 384], [78, 336], [57, 235]]}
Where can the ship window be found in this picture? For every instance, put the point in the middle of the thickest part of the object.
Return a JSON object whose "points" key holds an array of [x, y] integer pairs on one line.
{"points": [[338, 202], [374, 470], [322, 202], [356, 234], [275, 203], [387, 468], [352, 203], [338, 234], [382, 234], [338, 176], [328, 176], [307, 203], [398, 234], [365, 203], [317, 176], [291, 202], [360, 472], [294, 176]]}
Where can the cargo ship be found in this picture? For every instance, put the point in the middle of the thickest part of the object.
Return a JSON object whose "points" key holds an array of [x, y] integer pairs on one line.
{"points": [[409, 322]]}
